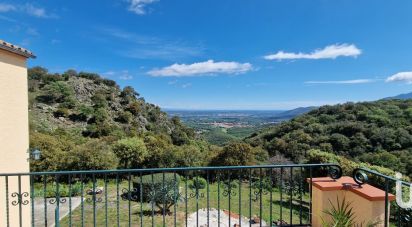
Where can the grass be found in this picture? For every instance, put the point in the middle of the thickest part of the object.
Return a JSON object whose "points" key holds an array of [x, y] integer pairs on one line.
{"points": [[118, 209]]}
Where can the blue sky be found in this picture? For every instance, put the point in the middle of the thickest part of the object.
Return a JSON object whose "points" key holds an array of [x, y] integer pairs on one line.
{"points": [[245, 54]]}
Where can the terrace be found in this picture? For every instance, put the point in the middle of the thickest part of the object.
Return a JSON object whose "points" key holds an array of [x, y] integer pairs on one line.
{"points": [[270, 195], [267, 195]]}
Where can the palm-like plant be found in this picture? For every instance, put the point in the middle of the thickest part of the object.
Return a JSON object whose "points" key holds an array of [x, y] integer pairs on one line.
{"points": [[342, 215]]}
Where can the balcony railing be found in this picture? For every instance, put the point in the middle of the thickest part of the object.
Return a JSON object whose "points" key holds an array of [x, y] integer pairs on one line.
{"points": [[267, 195], [394, 214]]}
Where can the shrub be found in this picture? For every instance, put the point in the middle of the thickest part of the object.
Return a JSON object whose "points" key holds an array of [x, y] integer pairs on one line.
{"points": [[83, 113], [61, 112], [54, 152], [64, 190], [125, 117], [131, 152], [189, 155], [160, 189], [236, 154], [90, 76], [93, 155], [198, 183], [110, 83], [316, 156], [56, 92], [99, 99], [135, 108], [100, 115], [128, 94], [99, 129]]}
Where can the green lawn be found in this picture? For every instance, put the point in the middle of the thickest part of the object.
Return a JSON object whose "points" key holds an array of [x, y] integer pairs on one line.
{"points": [[236, 205]]}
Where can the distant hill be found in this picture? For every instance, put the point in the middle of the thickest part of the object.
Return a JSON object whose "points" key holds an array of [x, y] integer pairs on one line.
{"points": [[377, 132], [289, 114], [401, 96]]}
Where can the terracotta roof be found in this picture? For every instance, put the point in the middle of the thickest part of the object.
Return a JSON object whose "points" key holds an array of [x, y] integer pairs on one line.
{"points": [[16, 49], [347, 183]]}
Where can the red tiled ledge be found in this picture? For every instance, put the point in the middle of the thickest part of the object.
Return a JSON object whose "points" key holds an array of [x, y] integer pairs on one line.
{"points": [[347, 183]]}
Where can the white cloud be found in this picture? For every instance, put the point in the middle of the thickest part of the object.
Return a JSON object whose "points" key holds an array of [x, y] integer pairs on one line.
{"points": [[162, 51], [122, 75], [186, 85], [32, 31], [202, 68], [357, 81], [172, 82], [4, 7], [133, 45], [329, 52], [26, 8], [401, 77], [35, 11], [139, 6]]}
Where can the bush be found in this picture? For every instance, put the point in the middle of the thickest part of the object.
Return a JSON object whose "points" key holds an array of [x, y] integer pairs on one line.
{"points": [[236, 154], [99, 99], [128, 94], [125, 117], [83, 113], [99, 129], [131, 152], [64, 190], [189, 155], [316, 156], [61, 112], [135, 108], [54, 152], [56, 92], [93, 155], [198, 183], [160, 189]]}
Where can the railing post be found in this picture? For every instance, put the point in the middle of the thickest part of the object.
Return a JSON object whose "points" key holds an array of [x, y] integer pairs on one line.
{"points": [[57, 209], [386, 202], [56, 217]]}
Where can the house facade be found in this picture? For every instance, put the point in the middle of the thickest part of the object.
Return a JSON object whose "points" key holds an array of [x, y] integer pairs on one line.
{"points": [[14, 129]]}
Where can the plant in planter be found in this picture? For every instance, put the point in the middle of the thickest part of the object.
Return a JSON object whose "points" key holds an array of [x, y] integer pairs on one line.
{"points": [[160, 189], [342, 215]]}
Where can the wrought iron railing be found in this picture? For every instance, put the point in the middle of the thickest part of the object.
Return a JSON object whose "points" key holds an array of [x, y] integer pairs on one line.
{"points": [[268, 195], [395, 215]]}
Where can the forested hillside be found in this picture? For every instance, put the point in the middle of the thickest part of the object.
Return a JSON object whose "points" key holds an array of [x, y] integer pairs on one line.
{"points": [[83, 121], [378, 132]]}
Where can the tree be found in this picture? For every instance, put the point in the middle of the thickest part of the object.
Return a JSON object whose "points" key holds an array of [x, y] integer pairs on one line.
{"points": [[37, 73], [236, 154], [99, 99], [339, 142], [93, 155], [131, 152], [161, 152], [129, 94], [160, 189], [135, 108], [70, 73], [56, 92], [125, 117], [83, 113], [190, 155], [54, 152]]}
